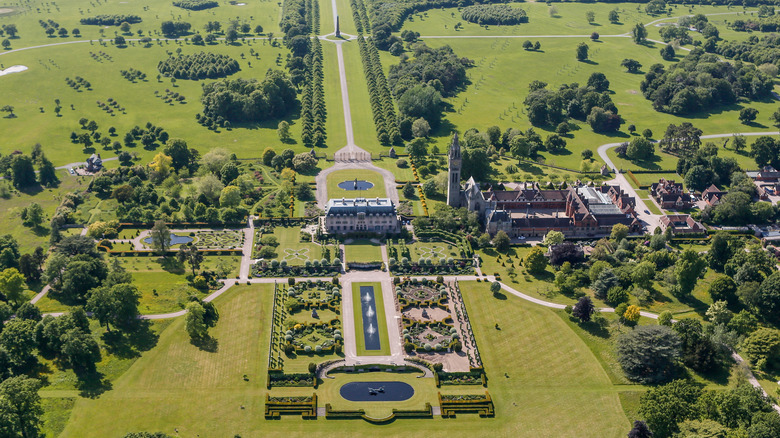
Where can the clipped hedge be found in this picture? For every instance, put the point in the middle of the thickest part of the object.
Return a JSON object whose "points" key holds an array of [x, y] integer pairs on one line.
{"points": [[275, 407], [472, 404]]}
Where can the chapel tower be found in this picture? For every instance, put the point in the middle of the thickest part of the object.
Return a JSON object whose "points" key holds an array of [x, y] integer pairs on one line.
{"points": [[453, 187]]}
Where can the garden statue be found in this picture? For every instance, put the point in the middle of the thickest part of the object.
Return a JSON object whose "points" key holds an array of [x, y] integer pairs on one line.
{"points": [[314, 314]]}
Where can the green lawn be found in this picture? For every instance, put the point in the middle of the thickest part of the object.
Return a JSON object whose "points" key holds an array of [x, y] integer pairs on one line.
{"points": [[560, 389], [49, 67], [350, 175], [296, 252], [11, 209], [384, 343], [570, 20], [497, 90], [363, 250]]}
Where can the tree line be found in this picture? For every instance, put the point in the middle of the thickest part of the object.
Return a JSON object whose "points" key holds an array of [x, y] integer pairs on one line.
{"points": [[313, 110], [382, 106], [199, 65], [494, 14]]}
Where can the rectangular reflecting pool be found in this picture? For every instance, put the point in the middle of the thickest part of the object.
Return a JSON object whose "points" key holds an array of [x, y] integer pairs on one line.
{"points": [[370, 324]]}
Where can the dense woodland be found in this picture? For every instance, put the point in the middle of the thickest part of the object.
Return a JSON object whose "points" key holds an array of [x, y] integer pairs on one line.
{"points": [[591, 103], [418, 83], [196, 5], [111, 20], [494, 14], [199, 65], [248, 100], [701, 81]]}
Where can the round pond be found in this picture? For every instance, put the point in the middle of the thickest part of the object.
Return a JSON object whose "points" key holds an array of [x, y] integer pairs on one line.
{"points": [[355, 185], [175, 240], [377, 391]]}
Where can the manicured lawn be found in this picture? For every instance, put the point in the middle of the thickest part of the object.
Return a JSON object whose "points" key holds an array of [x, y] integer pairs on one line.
{"points": [[296, 252], [425, 391], [401, 173], [646, 179], [360, 105], [363, 250], [381, 329], [535, 399], [350, 175], [652, 207]]}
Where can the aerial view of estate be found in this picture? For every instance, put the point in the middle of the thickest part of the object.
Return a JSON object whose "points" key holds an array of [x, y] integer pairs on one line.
{"points": [[438, 218]]}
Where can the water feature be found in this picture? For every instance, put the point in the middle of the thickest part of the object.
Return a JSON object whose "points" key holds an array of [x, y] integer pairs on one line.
{"points": [[376, 391], [355, 185], [370, 323], [175, 239]]}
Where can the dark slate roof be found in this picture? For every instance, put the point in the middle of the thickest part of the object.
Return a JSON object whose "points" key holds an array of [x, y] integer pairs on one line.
{"points": [[350, 206]]}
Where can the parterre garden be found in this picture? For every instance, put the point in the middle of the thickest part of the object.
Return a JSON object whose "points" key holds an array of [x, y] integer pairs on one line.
{"points": [[306, 328]]}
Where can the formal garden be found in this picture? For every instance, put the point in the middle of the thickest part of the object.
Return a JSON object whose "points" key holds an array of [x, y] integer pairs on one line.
{"points": [[306, 329], [434, 323], [430, 254], [288, 250]]}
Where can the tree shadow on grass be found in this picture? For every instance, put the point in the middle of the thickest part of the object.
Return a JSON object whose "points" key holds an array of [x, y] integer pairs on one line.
{"points": [[649, 163], [530, 168], [170, 264], [131, 342], [207, 343], [595, 329], [91, 383]]}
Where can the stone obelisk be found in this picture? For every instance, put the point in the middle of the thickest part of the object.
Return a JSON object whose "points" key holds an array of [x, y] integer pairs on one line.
{"points": [[338, 31]]}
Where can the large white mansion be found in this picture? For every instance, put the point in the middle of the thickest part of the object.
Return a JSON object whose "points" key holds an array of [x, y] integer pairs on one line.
{"points": [[346, 215]]}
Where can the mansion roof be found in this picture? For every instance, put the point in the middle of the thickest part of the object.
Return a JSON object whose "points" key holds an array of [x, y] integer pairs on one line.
{"points": [[353, 206]]}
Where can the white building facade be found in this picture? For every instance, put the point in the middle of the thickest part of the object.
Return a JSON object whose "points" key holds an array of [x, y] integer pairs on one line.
{"points": [[375, 215]]}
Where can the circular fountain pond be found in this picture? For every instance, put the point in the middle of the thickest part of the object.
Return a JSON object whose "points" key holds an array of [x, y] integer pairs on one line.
{"points": [[174, 240], [376, 391], [356, 185]]}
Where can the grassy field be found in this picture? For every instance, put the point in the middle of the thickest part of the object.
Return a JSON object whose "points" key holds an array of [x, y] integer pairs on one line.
{"points": [[381, 329], [536, 399], [163, 285], [569, 20], [497, 90], [50, 66], [363, 250], [349, 175], [49, 199], [296, 252]]}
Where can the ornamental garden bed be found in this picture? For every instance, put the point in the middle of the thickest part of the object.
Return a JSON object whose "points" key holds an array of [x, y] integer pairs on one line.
{"points": [[306, 329]]}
